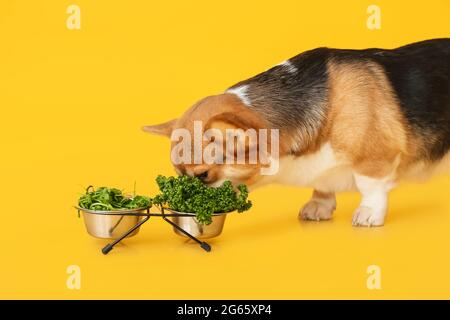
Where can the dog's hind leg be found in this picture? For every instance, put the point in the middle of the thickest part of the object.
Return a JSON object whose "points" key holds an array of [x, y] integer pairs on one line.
{"points": [[374, 202]]}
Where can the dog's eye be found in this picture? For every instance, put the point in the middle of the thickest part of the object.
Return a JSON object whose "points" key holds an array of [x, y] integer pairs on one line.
{"points": [[202, 176]]}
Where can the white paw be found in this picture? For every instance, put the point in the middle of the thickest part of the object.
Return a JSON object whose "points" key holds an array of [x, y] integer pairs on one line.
{"points": [[316, 210], [367, 217]]}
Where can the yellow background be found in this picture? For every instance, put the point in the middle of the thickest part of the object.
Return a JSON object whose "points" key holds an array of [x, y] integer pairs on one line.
{"points": [[72, 103]]}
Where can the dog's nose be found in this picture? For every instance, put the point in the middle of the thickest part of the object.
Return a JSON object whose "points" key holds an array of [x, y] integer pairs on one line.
{"points": [[202, 176]]}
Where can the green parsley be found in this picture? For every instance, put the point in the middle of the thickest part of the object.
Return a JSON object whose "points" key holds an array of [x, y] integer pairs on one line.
{"points": [[190, 195]]}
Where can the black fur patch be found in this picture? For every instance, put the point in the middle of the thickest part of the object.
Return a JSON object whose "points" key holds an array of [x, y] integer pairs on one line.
{"points": [[292, 96]]}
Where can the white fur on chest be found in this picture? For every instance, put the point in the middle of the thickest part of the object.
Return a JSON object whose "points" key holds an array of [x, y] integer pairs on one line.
{"points": [[322, 170]]}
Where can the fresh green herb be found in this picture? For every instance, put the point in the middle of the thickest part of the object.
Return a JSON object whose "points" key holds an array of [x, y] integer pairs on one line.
{"points": [[189, 194], [109, 199]]}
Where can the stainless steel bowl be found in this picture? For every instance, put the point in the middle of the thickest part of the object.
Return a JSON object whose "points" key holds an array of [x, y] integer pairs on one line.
{"points": [[198, 230], [111, 224]]}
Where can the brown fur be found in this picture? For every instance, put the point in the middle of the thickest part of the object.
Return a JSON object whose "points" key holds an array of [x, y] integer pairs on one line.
{"points": [[322, 195], [364, 121], [222, 112]]}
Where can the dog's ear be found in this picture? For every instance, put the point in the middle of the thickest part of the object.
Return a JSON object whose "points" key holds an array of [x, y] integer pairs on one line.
{"points": [[163, 129], [243, 136], [242, 119]]}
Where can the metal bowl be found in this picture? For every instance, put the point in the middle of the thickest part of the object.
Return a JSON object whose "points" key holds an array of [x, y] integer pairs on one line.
{"points": [[198, 230], [111, 224]]}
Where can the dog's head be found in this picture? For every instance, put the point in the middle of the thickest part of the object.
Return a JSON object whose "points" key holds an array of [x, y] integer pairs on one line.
{"points": [[217, 140]]}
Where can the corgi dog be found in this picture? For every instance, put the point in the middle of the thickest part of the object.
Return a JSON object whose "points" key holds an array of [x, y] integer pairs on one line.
{"points": [[356, 120]]}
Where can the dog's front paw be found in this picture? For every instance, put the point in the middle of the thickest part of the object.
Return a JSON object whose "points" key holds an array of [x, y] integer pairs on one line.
{"points": [[317, 210], [368, 217]]}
